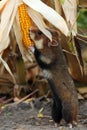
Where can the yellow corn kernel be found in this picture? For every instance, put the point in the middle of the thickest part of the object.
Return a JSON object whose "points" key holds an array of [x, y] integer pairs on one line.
{"points": [[25, 24]]}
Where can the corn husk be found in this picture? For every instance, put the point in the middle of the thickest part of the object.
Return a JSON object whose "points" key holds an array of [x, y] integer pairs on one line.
{"points": [[2, 3], [49, 14], [38, 20]]}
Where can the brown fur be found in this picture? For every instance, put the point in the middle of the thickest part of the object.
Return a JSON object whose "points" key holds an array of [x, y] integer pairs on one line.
{"points": [[56, 72]]}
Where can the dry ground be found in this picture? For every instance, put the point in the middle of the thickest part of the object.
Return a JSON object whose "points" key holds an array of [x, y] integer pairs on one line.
{"points": [[24, 116]]}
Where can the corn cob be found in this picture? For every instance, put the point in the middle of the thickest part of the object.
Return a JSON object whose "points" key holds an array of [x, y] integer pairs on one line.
{"points": [[25, 24]]}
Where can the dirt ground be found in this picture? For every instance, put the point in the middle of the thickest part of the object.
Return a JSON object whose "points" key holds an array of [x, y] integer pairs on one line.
{"points": [[24, 116]]}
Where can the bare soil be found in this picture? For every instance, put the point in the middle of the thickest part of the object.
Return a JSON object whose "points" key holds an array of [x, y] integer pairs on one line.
{"points": [[24, 116]]}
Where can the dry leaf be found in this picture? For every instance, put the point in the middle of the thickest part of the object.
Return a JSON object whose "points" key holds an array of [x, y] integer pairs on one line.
{"points": [[82, 90], [2, 3], [40, 114], [50, 14], [8, 69]]}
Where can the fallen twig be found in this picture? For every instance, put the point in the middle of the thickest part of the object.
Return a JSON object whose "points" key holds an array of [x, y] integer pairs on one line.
{"points": [[1, 99], [29, 95], [6, 101]]}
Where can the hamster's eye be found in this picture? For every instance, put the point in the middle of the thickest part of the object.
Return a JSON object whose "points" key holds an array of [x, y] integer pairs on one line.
{"points": [[39, 32]]}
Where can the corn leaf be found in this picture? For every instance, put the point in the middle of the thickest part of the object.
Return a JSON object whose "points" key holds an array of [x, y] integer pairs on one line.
{"points": [[8, 69], [17, 32], [77, 49], [48, 13], [70, 10], [13, 16], [38, 20], [2, 3], [6, 27], [57, 6], [5, 16], [4, 44]]}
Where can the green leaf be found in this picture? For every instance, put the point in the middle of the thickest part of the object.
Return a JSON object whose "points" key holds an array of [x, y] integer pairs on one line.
{"points": [[62, 1], [71, 47], [82, 19]]}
